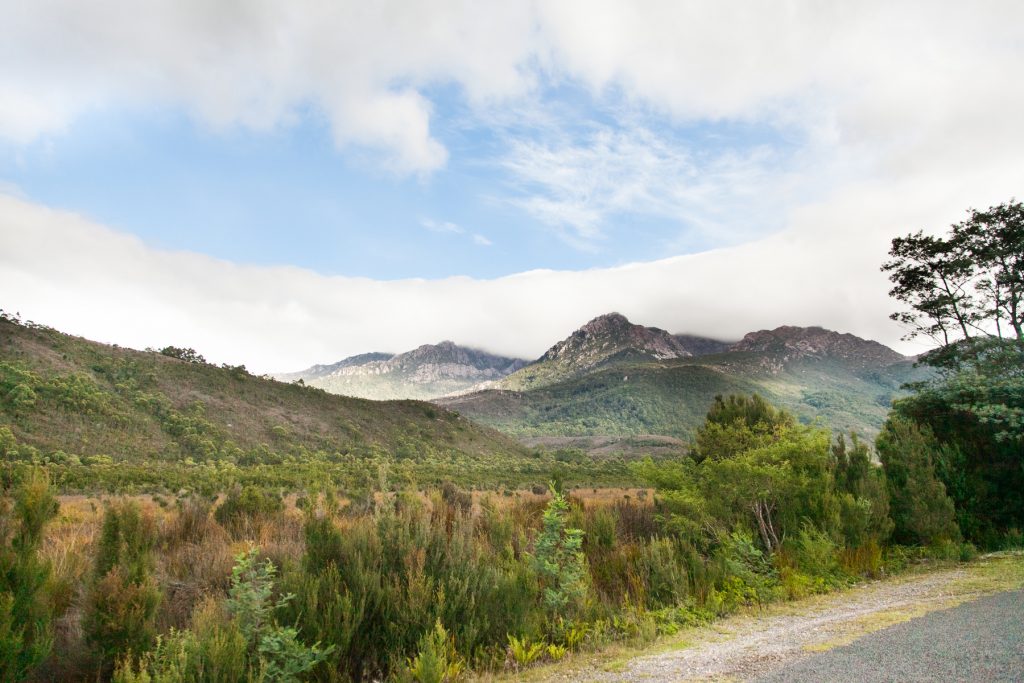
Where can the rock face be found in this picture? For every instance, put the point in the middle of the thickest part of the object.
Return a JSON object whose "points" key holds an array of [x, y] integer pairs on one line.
{"points": [[610, 336], [702, 346], [318, 371], [789, 343], [429, 371]]}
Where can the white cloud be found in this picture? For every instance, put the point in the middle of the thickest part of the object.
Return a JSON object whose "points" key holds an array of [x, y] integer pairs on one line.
{"points": [[441, 226], [454, 229], [64, 270], [261, 64], [899, 79], [907, 112], [583, 183]]}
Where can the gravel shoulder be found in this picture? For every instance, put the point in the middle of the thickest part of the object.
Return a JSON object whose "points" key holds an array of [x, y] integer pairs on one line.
{"points": [[982, 640], [757, 644]]}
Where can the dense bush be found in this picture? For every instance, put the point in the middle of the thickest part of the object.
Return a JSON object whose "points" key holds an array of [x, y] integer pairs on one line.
{"points": [[377, 588]]}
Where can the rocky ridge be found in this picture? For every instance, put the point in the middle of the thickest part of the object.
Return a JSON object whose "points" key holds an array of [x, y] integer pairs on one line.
{"points": [[789, 343], [426, 372]]}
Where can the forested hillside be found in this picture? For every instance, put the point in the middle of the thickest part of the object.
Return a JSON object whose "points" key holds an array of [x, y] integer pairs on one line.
{"points": [[116, 416]]}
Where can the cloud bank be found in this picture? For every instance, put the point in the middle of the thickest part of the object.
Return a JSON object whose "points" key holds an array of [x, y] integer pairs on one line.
{"points": [[66, 271], [875, 73]]}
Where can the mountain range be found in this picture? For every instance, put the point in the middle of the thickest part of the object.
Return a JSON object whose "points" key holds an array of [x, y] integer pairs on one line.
{"points": [[612, 378]]}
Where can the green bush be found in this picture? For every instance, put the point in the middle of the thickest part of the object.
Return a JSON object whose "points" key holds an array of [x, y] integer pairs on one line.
{"points": [[26, 603], [921, 511], [374, 590], [120, 612], [436, 661], [560, 562], [662, 570]]}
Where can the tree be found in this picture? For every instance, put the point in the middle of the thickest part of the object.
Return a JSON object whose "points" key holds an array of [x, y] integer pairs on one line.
{"points": [[758, 471], [738, 423], [189, 355], [965, 290], [921, 511], [863, 494], [966, 286]]}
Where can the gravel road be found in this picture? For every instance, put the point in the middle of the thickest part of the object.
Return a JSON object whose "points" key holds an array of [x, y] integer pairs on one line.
{"points": [[986, 635], [978, 641]]}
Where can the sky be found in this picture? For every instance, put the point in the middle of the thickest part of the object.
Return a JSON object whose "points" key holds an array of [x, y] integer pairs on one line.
{"points": [[286, 183]]}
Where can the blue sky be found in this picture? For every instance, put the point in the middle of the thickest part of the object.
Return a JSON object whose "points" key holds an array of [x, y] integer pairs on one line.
{"points": [[286, 183], [289, 196]]}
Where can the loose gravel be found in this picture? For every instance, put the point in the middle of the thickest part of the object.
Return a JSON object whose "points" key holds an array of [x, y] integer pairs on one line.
{"points": [[979, 641], [746, 648]]}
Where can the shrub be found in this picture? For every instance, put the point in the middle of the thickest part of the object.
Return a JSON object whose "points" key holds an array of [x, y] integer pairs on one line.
{"points": [[26, 604], [921, 510], [662, 571], [436, 660], [374, 590], [456, 498], [600, 528], [560, 562], [522, 652], [246, 509], [120, 614], [816, 552]]}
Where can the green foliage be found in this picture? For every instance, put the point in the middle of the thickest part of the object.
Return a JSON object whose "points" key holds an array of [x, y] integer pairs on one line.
{"points": [[436, 660], [966, 291], [376, 589], [560, 563], [120, 614], [246, 644], [736, 424], [965, 286], [863, 494], [922, 513], [26, 605], [976, 415], [770, 489], [274, 651], [523, 651]]}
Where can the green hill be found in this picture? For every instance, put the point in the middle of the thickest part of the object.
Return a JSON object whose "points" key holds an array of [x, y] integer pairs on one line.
{"points": [[108, 417]]}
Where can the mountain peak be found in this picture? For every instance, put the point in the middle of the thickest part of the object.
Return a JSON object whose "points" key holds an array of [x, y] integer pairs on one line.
{"points": [[612, 333], [792, 342], [601, 339], [607, 321]]}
